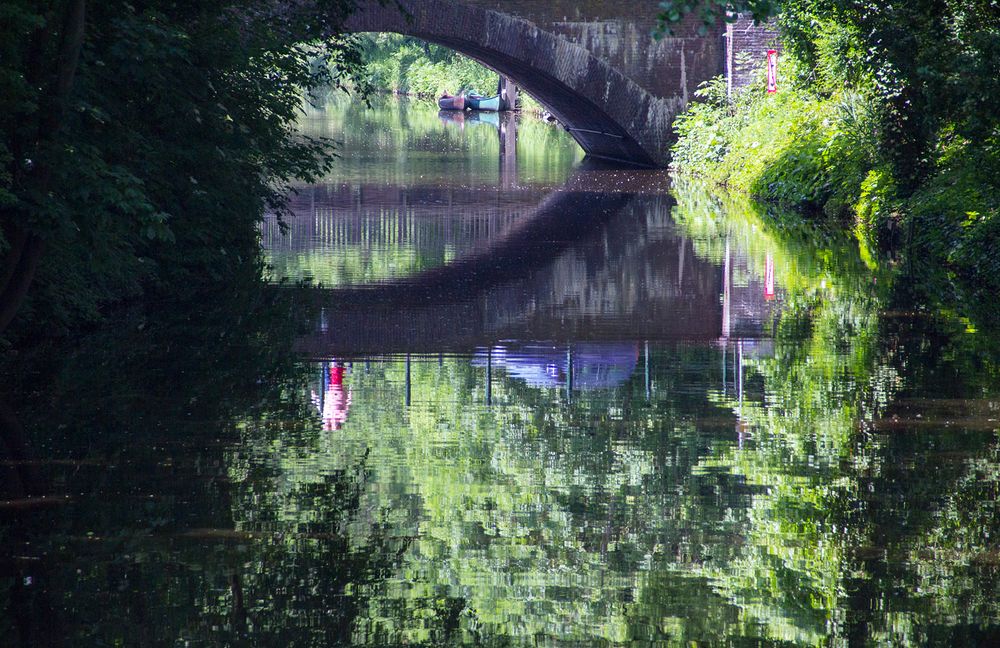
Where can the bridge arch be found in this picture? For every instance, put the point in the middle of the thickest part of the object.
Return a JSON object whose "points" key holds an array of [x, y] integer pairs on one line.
{"points": [[609, 114]]}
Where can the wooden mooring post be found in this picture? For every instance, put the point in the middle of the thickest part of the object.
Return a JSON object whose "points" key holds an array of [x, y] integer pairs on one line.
{"points": [[508, 94]]}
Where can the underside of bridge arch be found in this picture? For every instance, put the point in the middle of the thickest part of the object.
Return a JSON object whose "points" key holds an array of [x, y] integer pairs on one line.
{"points": [[589, 123], [608, 114]]}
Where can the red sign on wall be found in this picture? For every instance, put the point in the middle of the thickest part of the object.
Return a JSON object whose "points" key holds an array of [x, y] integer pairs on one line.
{"points": [[772, 71]]}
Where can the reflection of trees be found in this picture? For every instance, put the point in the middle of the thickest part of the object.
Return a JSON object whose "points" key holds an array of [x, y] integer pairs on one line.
{"points": [[412, 216], [847, 523], [608, 517], [802, 453], [132, 423], [612, 518], [302, 581], [934, 490], [402, 126], [537, 514], [209, 505]]}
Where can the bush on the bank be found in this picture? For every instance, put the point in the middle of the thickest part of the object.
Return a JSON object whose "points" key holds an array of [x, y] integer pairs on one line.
{"points": [[886, 113], [956, 214], [819, 153], [792, 147]]}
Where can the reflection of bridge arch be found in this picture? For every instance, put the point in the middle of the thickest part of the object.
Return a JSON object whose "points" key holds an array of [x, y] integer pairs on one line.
{"points": [[456, 218], [583, 70], [598, 260], [569, 272], [530, 243]]}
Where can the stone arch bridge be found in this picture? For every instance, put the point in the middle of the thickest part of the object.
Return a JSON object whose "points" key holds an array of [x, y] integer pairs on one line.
{"points": [[594, 64]]}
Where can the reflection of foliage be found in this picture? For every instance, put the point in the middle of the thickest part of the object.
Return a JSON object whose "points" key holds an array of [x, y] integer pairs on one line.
{"points": [[950, 559], [800, 439], [303, 580], [354, 264], [398, 141], [607, 518], [537, 514], [832, 505], [546, 156], [148, 553], [827, 492]]}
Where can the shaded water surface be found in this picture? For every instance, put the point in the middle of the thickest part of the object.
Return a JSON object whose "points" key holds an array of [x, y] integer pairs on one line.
{"points": [[533, 401]]}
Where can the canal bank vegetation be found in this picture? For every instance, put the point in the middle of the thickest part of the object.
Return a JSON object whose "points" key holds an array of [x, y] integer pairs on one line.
{"points": [[884, 121], [405, 65]]}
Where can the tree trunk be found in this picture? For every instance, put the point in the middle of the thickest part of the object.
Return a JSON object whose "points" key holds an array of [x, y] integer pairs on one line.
{"points": [[22, 273], [18, 238]]}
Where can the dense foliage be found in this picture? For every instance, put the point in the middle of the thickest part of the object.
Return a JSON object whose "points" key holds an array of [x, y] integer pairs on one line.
{"points": [[142, 142], [672, 12], [407, 65], [795, 147], [885, 116]]}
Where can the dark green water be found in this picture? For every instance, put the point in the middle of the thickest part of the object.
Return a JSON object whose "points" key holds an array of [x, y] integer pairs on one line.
{"points": [[535, 401]]}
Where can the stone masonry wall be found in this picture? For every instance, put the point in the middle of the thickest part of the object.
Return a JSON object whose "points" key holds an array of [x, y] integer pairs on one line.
{"points": [[594, 64], [621, 33], [746, 50]]}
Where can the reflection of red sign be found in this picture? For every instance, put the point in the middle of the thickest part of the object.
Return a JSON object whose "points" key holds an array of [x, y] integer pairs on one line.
{"points": [[769, 278], [772, 71], [336, 402]]}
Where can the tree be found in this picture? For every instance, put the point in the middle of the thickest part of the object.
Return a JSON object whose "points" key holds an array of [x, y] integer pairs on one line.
{"points": [[49, 62], [929, 64], [142, 142]]}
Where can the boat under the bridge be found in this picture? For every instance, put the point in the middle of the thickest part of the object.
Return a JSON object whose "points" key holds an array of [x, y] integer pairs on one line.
{"points": [[471, 102]]}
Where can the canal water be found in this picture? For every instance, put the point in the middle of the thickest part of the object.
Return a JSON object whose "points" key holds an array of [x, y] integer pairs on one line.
{"points": [[496, 394]]}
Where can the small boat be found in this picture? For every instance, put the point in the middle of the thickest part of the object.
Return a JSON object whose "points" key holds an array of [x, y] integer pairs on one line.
{"points": [[449, 102], [478, 102], [471, 102]]}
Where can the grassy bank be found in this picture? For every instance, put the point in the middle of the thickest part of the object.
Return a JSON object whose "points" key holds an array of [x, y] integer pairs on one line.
{"points": [[817, 150]]}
